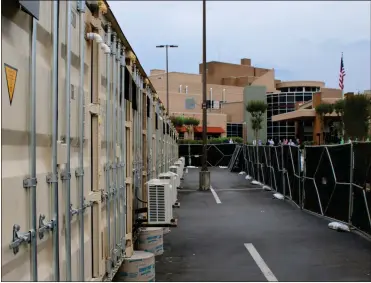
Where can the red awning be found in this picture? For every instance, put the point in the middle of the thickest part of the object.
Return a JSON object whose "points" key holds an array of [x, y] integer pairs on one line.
{"points": [[181, 129], [210, 130], [198, 129]]}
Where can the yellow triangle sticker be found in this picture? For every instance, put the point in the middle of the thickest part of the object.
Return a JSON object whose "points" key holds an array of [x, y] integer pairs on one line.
{"points": [[11, 78]]}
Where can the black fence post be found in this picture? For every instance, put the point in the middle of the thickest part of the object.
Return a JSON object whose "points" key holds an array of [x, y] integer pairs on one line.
{"points": [[257, 163], [304, 177], [351, 183], [283, 173], [189, 155], [300, 177], [271, 168]]}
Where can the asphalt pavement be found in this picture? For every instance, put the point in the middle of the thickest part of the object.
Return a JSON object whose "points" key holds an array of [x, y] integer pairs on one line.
{"points": [[249, 236]]}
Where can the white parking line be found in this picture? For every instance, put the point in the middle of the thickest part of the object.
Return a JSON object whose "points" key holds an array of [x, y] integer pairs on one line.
{"points": [[261, 263], [217, 199]]}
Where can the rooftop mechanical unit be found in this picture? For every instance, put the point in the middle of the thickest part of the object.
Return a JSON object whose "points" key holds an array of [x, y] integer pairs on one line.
{"points": [[160, 206]]}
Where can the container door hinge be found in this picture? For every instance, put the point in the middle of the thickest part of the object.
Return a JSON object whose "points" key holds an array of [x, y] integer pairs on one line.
{"points": [[107, 166], [73, 211], [45, 227], [86, 205], [65, 176], [29, 183], [95, 196], [52, 178], [94, 108], [19, 238], [81, 6], [79, 172], [104, 195]]}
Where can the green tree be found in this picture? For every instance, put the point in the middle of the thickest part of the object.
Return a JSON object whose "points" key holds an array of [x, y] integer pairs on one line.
{"points": [[177, 121], [357, 116], [190, 123], [339, 110], [256, 108], [322, 110]]}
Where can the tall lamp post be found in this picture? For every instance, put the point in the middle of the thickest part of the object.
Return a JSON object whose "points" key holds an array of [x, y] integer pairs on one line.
{"points": [[204, 173], [167, 46]]}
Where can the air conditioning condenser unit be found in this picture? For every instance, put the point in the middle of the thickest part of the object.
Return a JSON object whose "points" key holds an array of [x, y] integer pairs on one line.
{"points": [[160, 207]]}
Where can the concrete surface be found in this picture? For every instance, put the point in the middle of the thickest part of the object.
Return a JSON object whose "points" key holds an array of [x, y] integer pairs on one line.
{"points": [[208, 244]]}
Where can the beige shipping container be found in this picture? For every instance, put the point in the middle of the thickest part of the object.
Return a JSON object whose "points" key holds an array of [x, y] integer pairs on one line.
{"points": [[35, 94]]}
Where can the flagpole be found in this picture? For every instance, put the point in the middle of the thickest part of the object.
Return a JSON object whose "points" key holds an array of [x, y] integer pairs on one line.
{"points": [[342, 95], [342, 89]]}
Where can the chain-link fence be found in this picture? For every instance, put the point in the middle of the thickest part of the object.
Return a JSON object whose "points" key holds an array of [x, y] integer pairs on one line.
{"points": [[333, 181]]}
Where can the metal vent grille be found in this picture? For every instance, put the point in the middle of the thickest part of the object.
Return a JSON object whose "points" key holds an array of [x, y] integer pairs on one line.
{"points": [[156, 203], [165, 178]]}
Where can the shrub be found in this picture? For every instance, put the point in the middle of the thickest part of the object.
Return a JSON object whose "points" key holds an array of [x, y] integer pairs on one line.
{"points": [[356, 116], [177, 121], [190, 121]]}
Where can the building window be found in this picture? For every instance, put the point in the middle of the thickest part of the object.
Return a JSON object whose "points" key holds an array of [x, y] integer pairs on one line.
{"points": [[283, 102], [234, 130]]}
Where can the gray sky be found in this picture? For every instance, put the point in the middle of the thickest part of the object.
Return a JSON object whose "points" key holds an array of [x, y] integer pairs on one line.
{"points": [[300, 40]]}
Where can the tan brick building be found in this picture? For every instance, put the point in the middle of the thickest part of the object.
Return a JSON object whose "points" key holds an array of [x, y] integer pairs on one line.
{"points": [[230, 86]]}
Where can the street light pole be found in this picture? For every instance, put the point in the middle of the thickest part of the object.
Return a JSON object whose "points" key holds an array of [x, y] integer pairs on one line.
{"points": [[167, 46], [204, 173]]}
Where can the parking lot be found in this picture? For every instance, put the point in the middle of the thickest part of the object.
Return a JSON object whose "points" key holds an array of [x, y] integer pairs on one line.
{"points": [[240, 233]]}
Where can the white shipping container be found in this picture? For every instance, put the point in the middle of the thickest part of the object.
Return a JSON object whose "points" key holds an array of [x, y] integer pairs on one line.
{"points": [[30, 228]]}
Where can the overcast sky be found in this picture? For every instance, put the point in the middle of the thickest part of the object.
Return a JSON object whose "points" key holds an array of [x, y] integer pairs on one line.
{"points": [[300, 40]]}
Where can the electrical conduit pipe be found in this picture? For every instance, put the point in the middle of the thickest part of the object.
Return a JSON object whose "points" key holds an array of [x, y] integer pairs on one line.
{"points": [[67, 175], [80, 171], [123, 148], [33, 154], [117, 143], [107, 124], [114, 136], [54, 184], [136, 161], [140, 135]]}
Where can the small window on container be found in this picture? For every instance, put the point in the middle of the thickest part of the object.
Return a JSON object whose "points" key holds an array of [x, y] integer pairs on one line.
{"points": [[127, 83], [134, 95], [148, 107]]}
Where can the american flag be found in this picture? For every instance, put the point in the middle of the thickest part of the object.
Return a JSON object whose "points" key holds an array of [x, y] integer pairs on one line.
{"points": [[342, 74]]}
